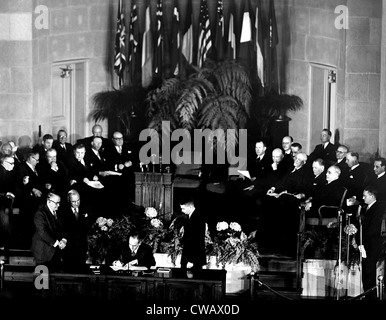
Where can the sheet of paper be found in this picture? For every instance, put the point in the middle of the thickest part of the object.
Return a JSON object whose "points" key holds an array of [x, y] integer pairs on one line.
{"points": [[245, 173], [113, 173], [95, 184]]}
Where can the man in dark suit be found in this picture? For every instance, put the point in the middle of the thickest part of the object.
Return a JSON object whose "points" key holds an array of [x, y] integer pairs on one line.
{"points": [[286, 143], [193, 241], [138, 253], [341, 153], [371, 216], [32, 193], [330, 195], [54, 173], [47, 142], [63, 148], [325, 150], [96, 157], [76, 225], [356, 177], [318, 180], [97, 131], [7, 196], [378, 179], [48, 240]]}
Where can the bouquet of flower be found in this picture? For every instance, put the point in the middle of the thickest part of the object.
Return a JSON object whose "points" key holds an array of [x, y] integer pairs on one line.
{"points": [[231, 245], [154, 229], [107, 236]]}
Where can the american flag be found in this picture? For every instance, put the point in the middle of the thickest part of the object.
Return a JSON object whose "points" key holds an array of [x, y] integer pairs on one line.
{"points": [[159, 41], [259, 43], [220, 30], [147, 51], [175, 40], [120, 36], [133, 42], [204, 39]]}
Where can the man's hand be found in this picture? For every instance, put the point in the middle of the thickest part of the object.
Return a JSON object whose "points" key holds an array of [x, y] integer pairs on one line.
{"points": [[54, 166], [128, 164], [62, 244], [37, 193], [25, 180], [308, 206], [10, 195]]}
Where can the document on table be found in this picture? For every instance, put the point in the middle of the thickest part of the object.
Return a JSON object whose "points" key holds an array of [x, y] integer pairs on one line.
{"points": [[95, 184], [245, 173]]}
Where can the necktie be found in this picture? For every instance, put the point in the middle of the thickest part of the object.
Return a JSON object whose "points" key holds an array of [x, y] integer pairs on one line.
{"points": [[55, 215], [64, 146], [76, 213]]}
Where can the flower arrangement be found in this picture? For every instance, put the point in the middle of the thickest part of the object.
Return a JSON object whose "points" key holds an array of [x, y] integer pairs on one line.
{"points": [[324, 243], [106, 236], [232, 245], [229, 245]]}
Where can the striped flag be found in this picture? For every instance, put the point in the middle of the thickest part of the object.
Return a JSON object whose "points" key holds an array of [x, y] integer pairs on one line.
{"points": [[147, 51], [219, 42], [231, 48], [158, 57], [133, 45], [120, 36], [259, 43], [175, 40], [272, 81], [187, 37], [204, 38]]}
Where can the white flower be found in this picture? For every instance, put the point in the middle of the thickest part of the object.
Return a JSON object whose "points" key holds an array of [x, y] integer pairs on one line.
{"points": [[150, 212], [104, 228], [235, 226], [243, 236], [222, 226], [350, 229], [99, 220], [156, 223], [110, 222]]}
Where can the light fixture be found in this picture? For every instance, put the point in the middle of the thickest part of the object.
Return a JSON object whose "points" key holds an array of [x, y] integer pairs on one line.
{"points": [[66, 72]]}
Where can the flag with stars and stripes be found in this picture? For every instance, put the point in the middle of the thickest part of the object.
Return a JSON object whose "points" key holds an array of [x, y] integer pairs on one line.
{"points": [[204, 38], [219, 43], [187, 35], [147, 51], [133, 61], [120, 36], [158, 54], [175, 40]]}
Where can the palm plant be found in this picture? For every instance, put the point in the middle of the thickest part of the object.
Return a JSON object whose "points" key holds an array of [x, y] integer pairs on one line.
{"points": [[120, 104], [216, 96]]}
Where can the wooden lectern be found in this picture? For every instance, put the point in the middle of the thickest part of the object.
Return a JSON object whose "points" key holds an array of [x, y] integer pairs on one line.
{"points": [[154, 189]]}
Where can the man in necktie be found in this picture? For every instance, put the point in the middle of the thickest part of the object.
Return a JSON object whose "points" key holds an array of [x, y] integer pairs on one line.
{"points": [[138, 253], [49, 239], [76, 226]]}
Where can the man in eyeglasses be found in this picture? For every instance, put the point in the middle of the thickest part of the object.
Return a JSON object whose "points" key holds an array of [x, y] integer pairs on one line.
{"points": [[341, 153], [48, 240]]}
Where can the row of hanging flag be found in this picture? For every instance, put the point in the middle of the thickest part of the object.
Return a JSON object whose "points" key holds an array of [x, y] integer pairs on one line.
{"points": [[143, 55]]}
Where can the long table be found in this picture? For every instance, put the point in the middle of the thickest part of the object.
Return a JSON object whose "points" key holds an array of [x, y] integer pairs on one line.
{"points": [[111, 285]]}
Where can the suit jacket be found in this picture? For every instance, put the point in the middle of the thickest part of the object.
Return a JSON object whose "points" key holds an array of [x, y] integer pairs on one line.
{"points": [[330, 195], [371, 229], [316, 184], [194, 240], [144, 255], [344, 169], [41, 150], [380, 184], [59, 180], [294, 181], [259, 168], [87, 142], [47, 231], [96, 163], [328, 154], [355, 181], [75, 230], [66, 154]]}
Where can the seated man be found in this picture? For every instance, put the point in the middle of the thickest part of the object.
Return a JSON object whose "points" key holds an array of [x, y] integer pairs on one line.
{"points": [[329, 195], [137, 253]]}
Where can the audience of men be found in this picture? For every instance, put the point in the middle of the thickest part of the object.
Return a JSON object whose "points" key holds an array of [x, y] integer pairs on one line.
{"points": [[63, 148]]}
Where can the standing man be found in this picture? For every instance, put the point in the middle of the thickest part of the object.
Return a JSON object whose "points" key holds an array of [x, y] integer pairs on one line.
{"points": [[325, 150], [63, 148], [97, 131], [379, 178], [76, 225], [371, 215], [287, 151], [193, 240], [48, 240]]}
